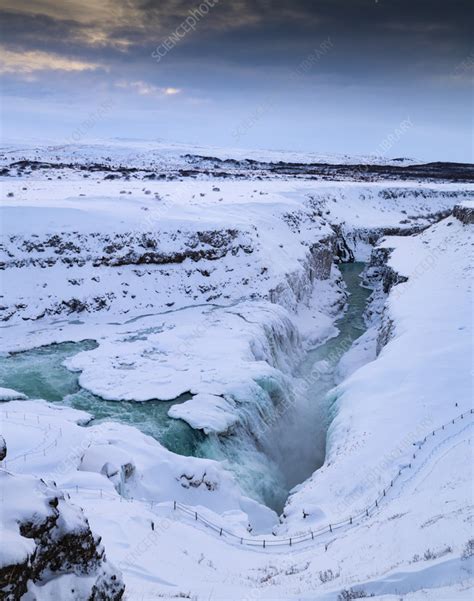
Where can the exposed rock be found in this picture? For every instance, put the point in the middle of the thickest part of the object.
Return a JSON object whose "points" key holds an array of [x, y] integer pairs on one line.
{"points": [[379, 269], [252, 169], [382, 278], [465, 213], [3, 448], [121, 249], [322, 257], [53, 538], [317, 266], [193, 481], [342, 252], [385, 333]]}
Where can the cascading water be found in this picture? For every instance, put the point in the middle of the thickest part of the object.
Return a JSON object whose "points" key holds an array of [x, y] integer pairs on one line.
{"points": [[301, 431], [39, 373], [288, 449]]}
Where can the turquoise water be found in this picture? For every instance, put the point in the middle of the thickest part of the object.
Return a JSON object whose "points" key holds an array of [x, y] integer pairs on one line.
{"points": [[294, 445], [39, 374]]}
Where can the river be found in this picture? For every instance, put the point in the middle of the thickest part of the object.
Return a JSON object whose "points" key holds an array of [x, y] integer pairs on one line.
{"points": [[294, 447]]}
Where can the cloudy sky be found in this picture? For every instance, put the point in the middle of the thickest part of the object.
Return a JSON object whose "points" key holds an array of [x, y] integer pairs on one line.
{"points": [[320, 75]]}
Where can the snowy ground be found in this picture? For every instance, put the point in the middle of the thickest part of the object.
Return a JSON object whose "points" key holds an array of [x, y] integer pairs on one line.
{"points": [[218, 288], [138, 153]]}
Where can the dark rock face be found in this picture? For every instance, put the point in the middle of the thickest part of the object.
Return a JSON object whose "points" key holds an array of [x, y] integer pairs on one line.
{"points": [[251, 169], [316, 266], [371, 236], [382, 278], [464, 213], [117, 250], [378, 269], [342, 252], [63, 544], [385, 333], [322, 256], [3, 448], [153, 254], [14, 581]]}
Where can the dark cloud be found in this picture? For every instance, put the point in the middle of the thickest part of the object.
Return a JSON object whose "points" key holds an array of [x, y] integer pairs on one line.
{"points": [[244, 50], [366, 25]]}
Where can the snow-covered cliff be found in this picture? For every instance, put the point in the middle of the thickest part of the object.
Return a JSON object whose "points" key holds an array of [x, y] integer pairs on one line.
{"points": [[220, 288]]}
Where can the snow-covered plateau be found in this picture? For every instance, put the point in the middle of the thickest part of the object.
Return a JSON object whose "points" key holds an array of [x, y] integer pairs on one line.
{"points": [[234, 376]]}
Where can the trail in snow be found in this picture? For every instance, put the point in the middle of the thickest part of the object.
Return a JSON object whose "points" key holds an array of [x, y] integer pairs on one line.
{"points": [[396, 485]]}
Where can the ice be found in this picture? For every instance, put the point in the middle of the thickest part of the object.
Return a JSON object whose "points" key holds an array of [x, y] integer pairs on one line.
{"points": [[206, 412], [8, 394], [420, 379], [223, 295]]}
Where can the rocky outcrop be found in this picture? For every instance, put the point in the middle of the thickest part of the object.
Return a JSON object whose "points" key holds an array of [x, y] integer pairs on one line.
{"points": [[381, 278], [49, 537], [321, 259], [297, 285], [193, 165], [119, 249], [90, 272], [360, 241], [342, 252], [378, 269], [465, 213]]}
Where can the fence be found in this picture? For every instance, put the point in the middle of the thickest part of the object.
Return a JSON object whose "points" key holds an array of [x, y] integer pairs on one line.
{"points": [[274, 541], [311, 535], [42, 447]]}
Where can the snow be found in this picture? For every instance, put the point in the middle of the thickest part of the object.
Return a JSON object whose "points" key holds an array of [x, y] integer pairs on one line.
{"points": [[116, 458], [206, 412], [415, 382], [16, 548], [59, 587], [232, 330], [7, 394], [364, 350], [129, 152], [166, 363]]}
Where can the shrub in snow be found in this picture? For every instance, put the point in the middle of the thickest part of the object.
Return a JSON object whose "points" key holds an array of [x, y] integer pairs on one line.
{"points": [[429, 554], [327, 576], [348, 594], [468, 550]]}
